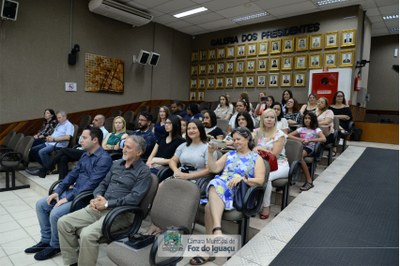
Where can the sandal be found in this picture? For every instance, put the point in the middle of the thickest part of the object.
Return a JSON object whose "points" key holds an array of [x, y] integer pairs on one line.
{"points": [[200, 260], [216, 229], [263, 216], [307, 186]]}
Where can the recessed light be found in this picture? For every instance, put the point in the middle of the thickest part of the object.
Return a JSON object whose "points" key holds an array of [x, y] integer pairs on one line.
{"points": [[390, 17], [254, 16], [191, 12], [329, 2]]}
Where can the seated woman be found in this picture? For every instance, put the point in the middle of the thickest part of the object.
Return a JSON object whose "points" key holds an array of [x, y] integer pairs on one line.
{"points": [[49, 123], [341, 111], [210, 124], [183, 127], [311, 105], [224, 109], [159, 127], [325, 119], [240, 165], [243, 119], [308, 134], [292, 114], [193, 112], [111, 142], [282, 123], [286, 95], [165, 148], [269, 138]]}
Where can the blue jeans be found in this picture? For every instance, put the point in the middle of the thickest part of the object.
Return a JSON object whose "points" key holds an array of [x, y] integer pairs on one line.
{"points": [[44, 155], [34, 153], [48, 216]]}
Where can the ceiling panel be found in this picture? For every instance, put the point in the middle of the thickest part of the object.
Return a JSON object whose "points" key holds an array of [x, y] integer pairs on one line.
{"points": [[294, 8], [389, 10], [218, 24], [148, 3], [242, 10], [176, 6], [203, 18], [223, 4]]}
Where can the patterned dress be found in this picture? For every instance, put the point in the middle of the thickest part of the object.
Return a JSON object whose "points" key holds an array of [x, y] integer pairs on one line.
{"points": [[236, 164]]}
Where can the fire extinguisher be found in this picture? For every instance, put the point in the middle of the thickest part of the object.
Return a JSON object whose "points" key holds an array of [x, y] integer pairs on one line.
{"points": [[357, 83]]}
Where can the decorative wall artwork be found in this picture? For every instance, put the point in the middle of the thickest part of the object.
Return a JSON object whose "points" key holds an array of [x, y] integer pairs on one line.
{"points": [[286, 79], [262, 65], [263, 48], [348, 38], [287, 63], [314, 61], [274, 63], [261, 81], [211, 83], [273, 80], [103, 74], [301, 43], [346, 58], [316, 42], [251, 49], [299, 79], [330, 59], [250, 65], [275, 46], [331, 40], [241, 50], [300, 61], [288, 45]]}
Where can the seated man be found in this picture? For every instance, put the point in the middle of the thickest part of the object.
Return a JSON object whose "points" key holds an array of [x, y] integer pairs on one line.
{"points": [[59, 139], [87, 174], [126, 184], [144, 131], [66, 155]]}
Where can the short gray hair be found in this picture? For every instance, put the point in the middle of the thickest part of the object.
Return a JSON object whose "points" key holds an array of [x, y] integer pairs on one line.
{"points": [[63, 113], [140, 142]]}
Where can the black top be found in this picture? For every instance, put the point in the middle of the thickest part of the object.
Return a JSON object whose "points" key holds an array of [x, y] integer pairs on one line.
{"points": [[167, 150], [216, 132], [343, 111]]}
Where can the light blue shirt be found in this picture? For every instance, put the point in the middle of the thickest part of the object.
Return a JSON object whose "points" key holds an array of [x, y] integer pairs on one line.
{"points": [[62, 129]]}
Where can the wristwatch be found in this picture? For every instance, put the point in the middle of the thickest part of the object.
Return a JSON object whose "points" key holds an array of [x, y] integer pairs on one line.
{"points": [[106, 204]]}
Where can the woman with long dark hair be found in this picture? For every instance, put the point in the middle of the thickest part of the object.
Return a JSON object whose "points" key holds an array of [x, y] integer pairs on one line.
{"points": [[341, 110], [49, 124], [224, 109], [210, 125]]}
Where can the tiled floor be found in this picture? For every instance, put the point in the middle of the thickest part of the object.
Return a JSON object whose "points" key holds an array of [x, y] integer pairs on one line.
{"points": [[19, 227]]}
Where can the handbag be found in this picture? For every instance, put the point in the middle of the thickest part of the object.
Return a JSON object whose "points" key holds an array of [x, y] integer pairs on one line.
{"points": [[270, 158], [239, 195], [138, 241]]}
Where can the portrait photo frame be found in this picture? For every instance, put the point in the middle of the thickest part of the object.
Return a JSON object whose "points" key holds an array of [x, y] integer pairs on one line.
{"points": [[210, 83], [262, 64], [250, 81], [203, 55], [348, 38], [202, 69], [239, 82], [263, 48], [195, 56], [230, 52], [273, 80], [230, 67], [239, 66], [300, 61], [316, 42], [193, 95], [194, 70], [331, 40], [200, 95], [286, 79], [275, 46], [346, 58], [330, 59], [221, 53], [211, 68], [229, 82], [287, 63], [219, 83], [193, 84], [251, 49], [240, 50], [301, 43], [288, 45], [211, 54], [220, 68], [250, 65], [274, 63], [261, 81], [201, 83], [299, 79], [314, 60]]}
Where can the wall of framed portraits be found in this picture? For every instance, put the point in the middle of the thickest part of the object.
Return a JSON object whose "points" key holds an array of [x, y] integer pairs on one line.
{"points": [[274, 64]]}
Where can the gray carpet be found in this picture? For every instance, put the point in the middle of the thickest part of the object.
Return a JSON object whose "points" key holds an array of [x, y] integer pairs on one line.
{"points": [[358, 223]]}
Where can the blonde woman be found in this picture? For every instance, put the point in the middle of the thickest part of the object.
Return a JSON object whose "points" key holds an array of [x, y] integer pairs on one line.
{"points": [[271, 139], [111, 142]]}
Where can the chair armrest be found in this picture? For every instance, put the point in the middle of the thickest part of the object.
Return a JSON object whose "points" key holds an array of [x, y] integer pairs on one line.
{"points": [[293, 170], [256, 194], [318, 151], [154, 248], [53, 186], [81, 200], [11, 159], [111, 217]]}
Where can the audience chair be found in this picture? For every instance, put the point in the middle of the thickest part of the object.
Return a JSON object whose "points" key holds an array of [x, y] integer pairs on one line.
{"points": [[174, 208], [16, 160], [294, 153], [223, 124], [129, 117], [204, 106], [313, 160], [7, 139], [108, 123], [214, 105], [84, 121], [154, 113], [12, 143], [116, 113], [330, 146], [346, 135]]}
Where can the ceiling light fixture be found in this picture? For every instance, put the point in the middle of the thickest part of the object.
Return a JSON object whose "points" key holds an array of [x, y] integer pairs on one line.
{"points": [[190, 12], [254, 16], [390, 17], [329, 2]]}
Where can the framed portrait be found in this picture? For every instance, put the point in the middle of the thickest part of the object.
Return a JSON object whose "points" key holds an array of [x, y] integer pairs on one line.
{"points": [[200, 96], [239, 66], [250, 82], [221, 53], [330, 59], [211, 68], [229, 67], [220, 67], [262, 64], [251, 49], [286, 79], [195, 56], [275, 46], [273, 80], [331, 40], [203, 55], [301, 43], [193, 96], [193, 70], [211, 54], [348, 38], [300, 61], [346, 58], [287, 63], [239, 82], [201, 83], [261, 81], [263, 48], [202, 69], [229, 82], [241, 50], [274, 63], [288, 45], [193, 83], [316, 42], [250, 65], [230, 52], [210, 83], [314, 61], [299, 79], [220, 81]]}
